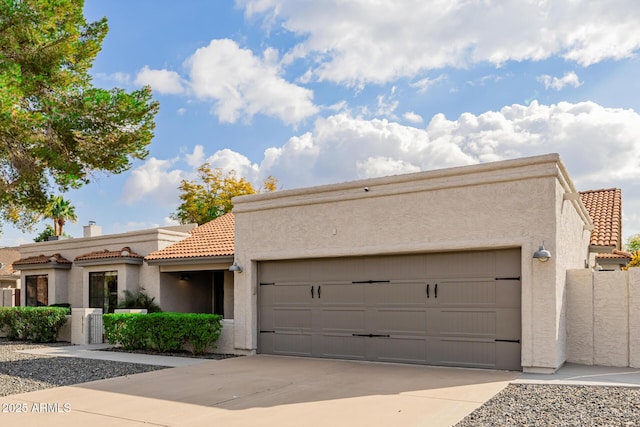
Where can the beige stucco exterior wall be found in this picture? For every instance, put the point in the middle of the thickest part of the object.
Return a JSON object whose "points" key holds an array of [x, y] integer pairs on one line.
{"points": [[580, 316], [72, 286], [516, 203], [603, 317]]}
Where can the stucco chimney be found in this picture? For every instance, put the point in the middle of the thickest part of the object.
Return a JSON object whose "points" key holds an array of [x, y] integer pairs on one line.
{"points": [[92, 230]]}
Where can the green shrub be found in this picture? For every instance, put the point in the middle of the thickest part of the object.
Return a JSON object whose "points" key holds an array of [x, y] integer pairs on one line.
{"points": [[163, 332], [203, 330], [123, 329], [37, 324]]}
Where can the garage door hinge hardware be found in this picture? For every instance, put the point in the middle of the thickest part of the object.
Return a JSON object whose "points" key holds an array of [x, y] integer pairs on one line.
{"points": [[267, 332], [507, 278], [372, 335], [516, 341], [372, 281]]}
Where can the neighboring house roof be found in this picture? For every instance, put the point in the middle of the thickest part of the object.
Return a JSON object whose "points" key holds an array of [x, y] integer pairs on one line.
{"points": [[605, 209], [7, 257], [125, 252], [42, 261], [616, 255], [213, 239]]}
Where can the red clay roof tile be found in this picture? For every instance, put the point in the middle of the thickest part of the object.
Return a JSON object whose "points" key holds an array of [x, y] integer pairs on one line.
{"points": [[125, 252], [605, 209], [42, 259], [215, 238]]}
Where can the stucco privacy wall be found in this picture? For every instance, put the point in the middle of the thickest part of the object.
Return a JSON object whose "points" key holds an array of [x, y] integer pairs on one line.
{"points": [[72, 286], [603, 319], [515, 203]]}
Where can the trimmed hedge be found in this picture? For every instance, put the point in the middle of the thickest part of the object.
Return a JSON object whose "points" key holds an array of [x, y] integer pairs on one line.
{"points": [[36, 324], [164, 332]]}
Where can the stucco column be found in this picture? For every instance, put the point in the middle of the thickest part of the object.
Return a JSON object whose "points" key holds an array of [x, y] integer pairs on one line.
{"points": [[245, 305]]}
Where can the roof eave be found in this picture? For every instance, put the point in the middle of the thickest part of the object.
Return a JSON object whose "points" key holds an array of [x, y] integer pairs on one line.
{"points": [[192, 260], [107, 261]]}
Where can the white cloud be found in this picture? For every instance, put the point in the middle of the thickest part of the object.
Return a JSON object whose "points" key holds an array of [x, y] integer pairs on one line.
{"points": [[195, 159], [181, 111], [243, 85], [163, 81], [229, 160], [404, 38], [423, 85], [569, 79], [412, 117], [153, 179]]}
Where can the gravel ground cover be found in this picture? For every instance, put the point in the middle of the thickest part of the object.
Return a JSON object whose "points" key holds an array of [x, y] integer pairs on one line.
{"points": [[558, 405], [22, 373]]}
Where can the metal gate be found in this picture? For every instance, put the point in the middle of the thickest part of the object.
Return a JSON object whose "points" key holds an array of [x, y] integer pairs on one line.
{"points": [[96, 331]]}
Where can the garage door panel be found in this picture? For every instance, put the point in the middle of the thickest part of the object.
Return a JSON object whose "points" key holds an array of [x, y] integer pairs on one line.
{"points": [[463, 352], [399, 349], [294, 344], [467, 323], [292, 319], [461, 264], [508, 325], [508, 356], [507, 263], [340, 294], [470, 293], [508, 293], [340, 346], [396, 293], [398, 321], [342, 320]]}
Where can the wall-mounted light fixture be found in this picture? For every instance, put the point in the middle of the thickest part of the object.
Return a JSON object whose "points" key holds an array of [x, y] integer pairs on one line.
{"points": [[185, 277], [235, 268], [542, 254]]}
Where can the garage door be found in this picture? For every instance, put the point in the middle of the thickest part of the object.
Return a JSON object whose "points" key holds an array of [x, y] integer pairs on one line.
{"points": [[453, 309]]}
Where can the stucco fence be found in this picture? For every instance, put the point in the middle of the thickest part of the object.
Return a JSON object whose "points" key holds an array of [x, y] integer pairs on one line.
{"points": [[603, 317], [7, 297]]}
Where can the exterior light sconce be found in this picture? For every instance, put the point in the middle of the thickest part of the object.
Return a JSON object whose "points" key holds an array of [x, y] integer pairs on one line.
{"points": [[235, 268], [542, 254], [185, 277]]}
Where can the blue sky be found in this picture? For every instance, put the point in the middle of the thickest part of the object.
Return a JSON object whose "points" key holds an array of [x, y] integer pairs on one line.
{"points": [[322, 91]]}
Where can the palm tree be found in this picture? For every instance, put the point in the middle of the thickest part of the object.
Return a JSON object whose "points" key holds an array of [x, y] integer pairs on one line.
{"points": [[60, 210]]}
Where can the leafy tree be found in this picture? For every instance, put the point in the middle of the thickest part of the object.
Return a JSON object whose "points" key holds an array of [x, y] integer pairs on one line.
{"points": [[633, 243], [56, 129], [45, 234], [59, 210], [635, 260], [210, 196]]}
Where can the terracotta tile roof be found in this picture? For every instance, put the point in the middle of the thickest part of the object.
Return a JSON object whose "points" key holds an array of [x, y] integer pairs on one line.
{"points": [[42, 259], [125, 252], [605, 209], [215, 238], [616, 254], [7, 257]]}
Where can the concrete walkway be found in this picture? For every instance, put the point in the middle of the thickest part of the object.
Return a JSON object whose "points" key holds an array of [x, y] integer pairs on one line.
{"points": [[573, 374], [91, 351], [283, 391]]}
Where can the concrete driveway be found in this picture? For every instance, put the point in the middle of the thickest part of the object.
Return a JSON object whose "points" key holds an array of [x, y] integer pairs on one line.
{"points": [[267, 391]]}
